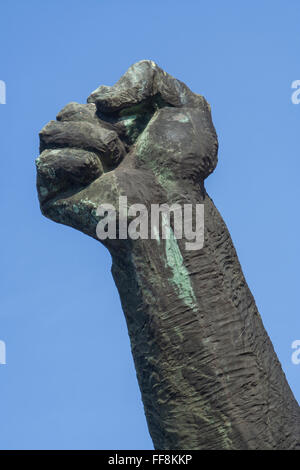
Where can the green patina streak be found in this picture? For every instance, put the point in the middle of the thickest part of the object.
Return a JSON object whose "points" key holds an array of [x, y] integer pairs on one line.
{"points": [[132, 129], [180, 278], [145, 146], [165, 179]]}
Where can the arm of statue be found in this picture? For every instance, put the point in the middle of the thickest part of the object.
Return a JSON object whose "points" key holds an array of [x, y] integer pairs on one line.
{"points": [[207, 370]]}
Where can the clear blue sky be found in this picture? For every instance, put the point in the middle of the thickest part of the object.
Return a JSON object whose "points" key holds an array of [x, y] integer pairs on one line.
{"points": [[69, 381]]}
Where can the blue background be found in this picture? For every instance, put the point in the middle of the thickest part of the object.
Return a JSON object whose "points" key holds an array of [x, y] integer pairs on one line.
{"points": [[69, 381]]}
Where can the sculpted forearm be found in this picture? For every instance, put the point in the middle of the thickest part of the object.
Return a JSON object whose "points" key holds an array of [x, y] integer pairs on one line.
{"points": [[208, 373]]}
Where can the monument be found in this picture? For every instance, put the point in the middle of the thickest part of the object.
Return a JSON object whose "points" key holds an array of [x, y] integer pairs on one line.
{"points": [[207, 370]]}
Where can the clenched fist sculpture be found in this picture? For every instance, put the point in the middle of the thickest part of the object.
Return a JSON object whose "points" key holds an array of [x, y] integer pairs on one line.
{"points": [[207, 371]]}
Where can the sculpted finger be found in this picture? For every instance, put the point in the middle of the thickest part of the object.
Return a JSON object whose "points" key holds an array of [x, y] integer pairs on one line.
{"points": [[83, 135], [78, 112], [143, 82], [83, 112], [62, 170]]}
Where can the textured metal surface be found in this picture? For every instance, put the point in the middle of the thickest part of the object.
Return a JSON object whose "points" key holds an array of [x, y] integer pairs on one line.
{"points": [[207, 371]]}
